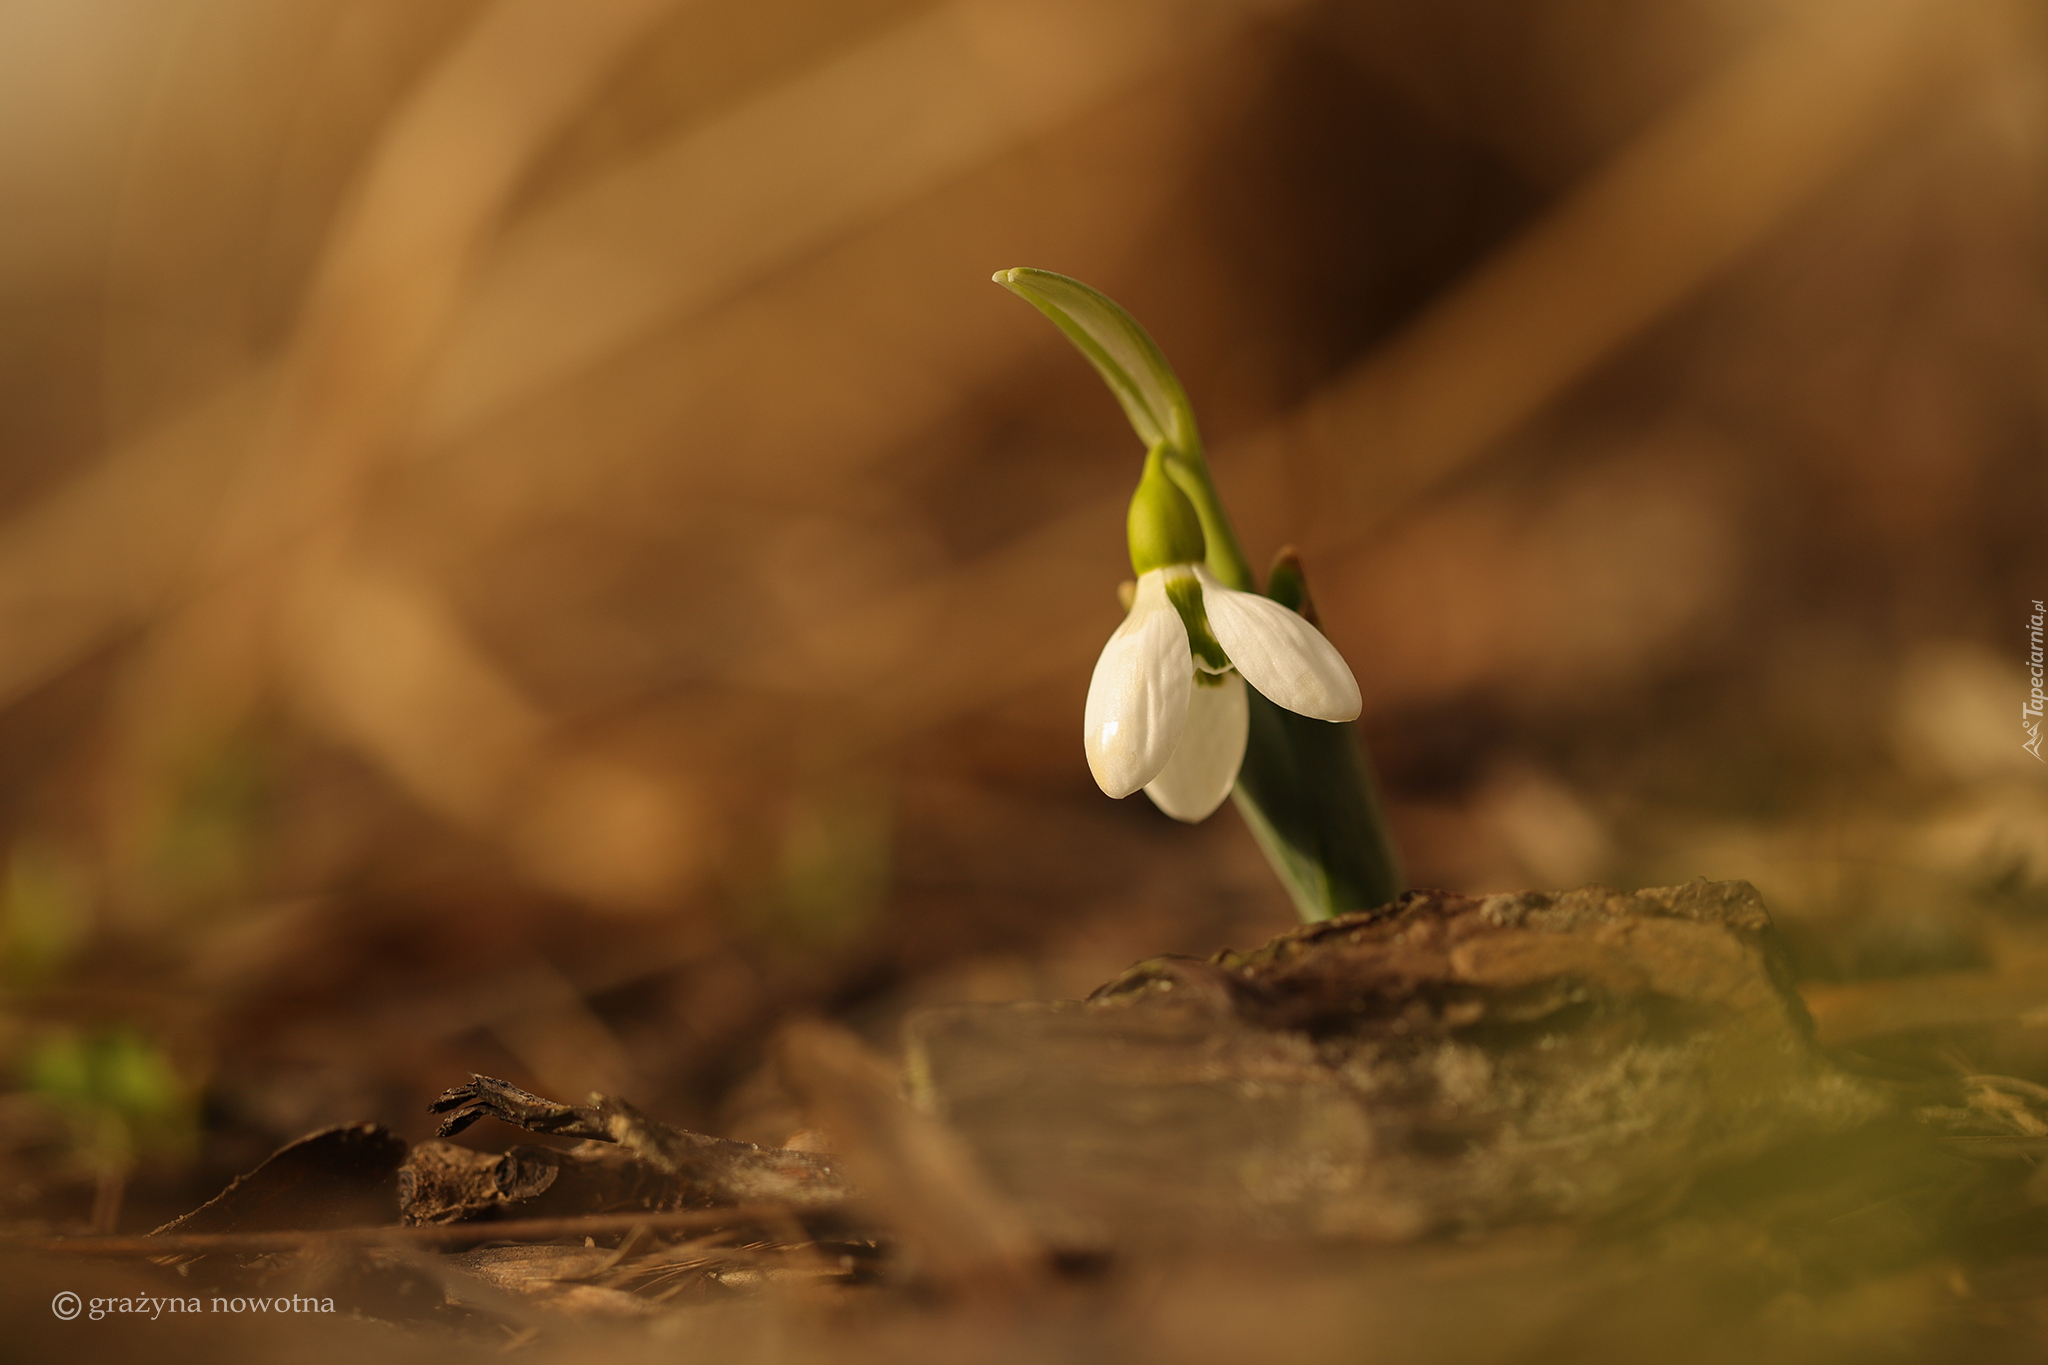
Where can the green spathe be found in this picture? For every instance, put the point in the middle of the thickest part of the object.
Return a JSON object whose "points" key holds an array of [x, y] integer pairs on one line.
{"points": [[1122, 352], [1130, 362]]}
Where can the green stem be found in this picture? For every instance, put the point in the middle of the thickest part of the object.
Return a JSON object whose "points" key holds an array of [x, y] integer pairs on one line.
{"points": [[1190, 472], [1306, 790]]}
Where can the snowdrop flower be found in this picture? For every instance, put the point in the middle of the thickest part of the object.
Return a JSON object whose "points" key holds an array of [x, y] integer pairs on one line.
{"points": [[1166, 706]]}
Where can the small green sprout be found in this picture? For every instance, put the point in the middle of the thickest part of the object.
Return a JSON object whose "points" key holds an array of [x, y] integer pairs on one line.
{"points": [[120, 1098]]}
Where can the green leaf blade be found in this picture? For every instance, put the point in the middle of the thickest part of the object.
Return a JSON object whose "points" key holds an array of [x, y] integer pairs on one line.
{"points": [[1306, 790]]}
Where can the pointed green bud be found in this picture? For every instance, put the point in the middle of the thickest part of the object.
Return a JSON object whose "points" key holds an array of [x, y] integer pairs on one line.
{"points": [[1288, 585], [1162, 524]]}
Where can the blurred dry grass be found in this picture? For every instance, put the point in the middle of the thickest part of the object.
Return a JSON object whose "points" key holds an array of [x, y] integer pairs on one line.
{"points": [[530, 545]]}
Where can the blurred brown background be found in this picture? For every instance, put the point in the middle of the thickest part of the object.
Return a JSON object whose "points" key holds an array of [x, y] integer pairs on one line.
{"points": [[529, 544]]}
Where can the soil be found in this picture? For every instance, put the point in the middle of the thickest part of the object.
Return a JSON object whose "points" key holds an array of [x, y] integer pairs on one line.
{"points": [[1512, 1127]]}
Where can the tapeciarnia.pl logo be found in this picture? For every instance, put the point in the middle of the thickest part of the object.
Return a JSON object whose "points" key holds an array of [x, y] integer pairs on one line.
{"points": [[2030, 709]]}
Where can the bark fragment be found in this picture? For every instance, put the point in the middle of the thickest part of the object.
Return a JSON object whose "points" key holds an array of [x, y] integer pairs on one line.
{"points": [[626, 1161], [1442, 1063]]}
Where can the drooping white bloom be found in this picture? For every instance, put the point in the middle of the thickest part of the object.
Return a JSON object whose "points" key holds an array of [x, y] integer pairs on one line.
{"points": [[1280, 653], [1151, 723], [1204, 768], [1138, 698]]}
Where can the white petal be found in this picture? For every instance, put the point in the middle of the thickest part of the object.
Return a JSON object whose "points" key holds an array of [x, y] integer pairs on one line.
{"points": [[1138, 698], [1279, 653], [1204, 768]]}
